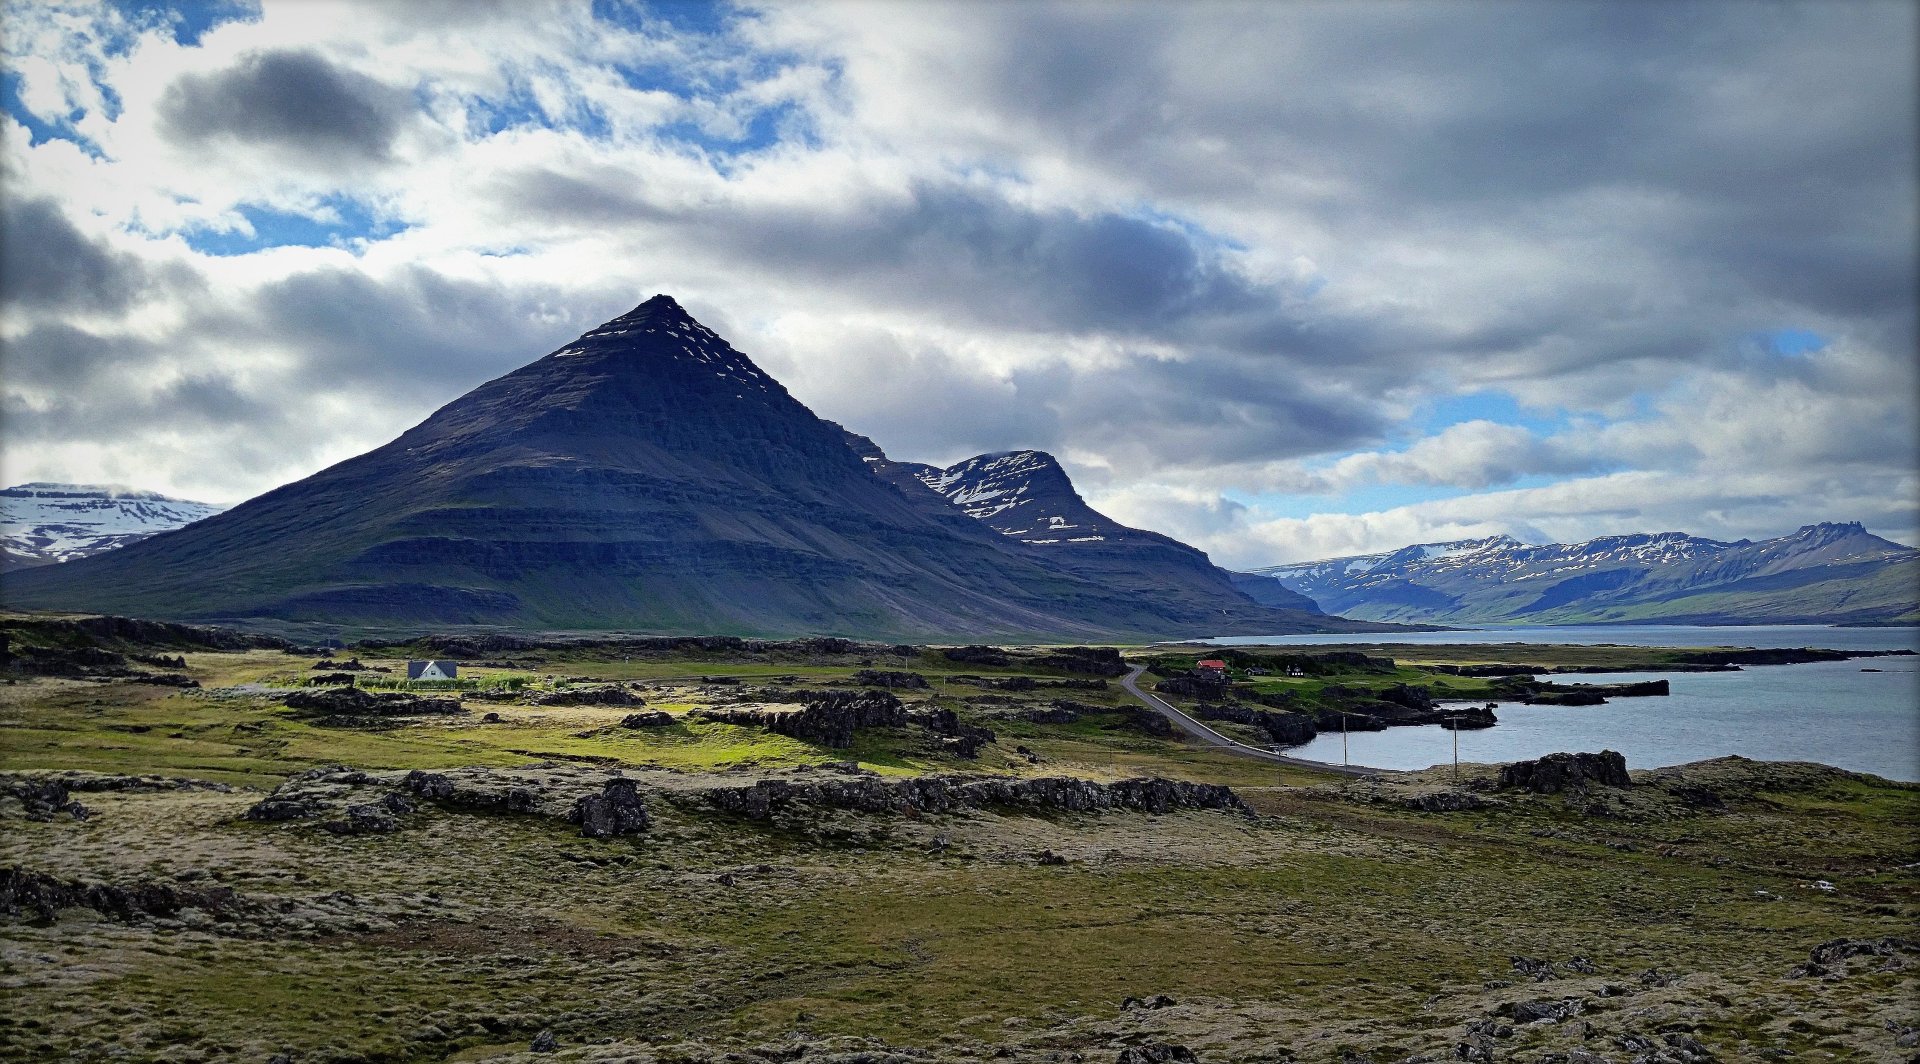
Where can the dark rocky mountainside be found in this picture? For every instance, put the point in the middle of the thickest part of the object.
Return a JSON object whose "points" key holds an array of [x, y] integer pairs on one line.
{"points": [[1822, 573], [1027, 497], [645, 477]]}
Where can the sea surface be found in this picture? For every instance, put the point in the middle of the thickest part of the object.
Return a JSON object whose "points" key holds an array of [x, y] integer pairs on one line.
{"points": [[1835, 713]]}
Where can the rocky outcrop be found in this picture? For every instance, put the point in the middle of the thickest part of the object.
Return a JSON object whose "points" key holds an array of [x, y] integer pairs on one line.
{"points": [[961, 739], [946, 794], [37, 896], [893, 681], [616, 811], [1285, 729], [826, 717], [652, 718], [607, 694], [1469, 718], [1088, 661], [1545, 693], [1556, 773], [978, 655], [481, 794], [347, 801], [41, 797], [1829, 959], [350, 706], [1212, 689]]}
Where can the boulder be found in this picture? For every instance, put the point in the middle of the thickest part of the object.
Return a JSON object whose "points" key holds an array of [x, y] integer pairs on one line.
{"points": [[1542, 1011], [1555, 773], [616, 811]]}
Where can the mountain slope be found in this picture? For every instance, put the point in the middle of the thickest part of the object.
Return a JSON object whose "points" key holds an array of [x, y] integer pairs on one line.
{"points": [[43, 524], [1027, 497], [1824, 573], [645, 477]]}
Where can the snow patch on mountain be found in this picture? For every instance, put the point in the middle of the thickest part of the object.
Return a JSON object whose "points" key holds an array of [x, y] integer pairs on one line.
{"points": [[43, 524], [1626, 577]]}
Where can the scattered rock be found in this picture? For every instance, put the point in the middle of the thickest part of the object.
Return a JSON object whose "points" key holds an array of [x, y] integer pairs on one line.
{"points": [[1542, 1011], [1156, 1053], [544, 1042], [1156, 1001]]}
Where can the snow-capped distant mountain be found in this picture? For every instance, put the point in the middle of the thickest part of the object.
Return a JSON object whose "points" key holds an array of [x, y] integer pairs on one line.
{"points": [[41, 524], [1821, 573], [1027, 497], [1024, 494]]}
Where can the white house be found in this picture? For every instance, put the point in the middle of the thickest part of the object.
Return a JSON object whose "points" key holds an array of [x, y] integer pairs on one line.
{"points": [[432, 670]]}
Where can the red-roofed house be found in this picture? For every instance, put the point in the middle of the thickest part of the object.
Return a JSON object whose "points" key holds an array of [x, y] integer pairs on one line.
{"points": [[1212, 667]]}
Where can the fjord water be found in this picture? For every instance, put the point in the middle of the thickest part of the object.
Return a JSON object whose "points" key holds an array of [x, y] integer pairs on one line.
{"points": [[1830, 712]]}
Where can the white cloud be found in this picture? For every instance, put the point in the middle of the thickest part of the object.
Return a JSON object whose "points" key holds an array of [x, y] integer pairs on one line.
{"points": [[1197, 251]]}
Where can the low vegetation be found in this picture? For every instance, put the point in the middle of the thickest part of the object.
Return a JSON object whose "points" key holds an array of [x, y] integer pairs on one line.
{"points": [[189, 874]]}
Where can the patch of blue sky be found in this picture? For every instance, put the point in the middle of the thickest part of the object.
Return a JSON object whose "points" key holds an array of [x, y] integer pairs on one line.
{"points": [[1495, 406], [1368, 498], [764, 128], [1789, 343], [188, 19], [684, 16], [272, 228], [1189, 228], [40, 129]]}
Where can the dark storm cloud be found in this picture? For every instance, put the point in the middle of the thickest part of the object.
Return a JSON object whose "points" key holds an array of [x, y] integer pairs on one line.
{"points": [[66, 357], [295, 101], [1742, 152], [47, 264], [193, 403], [417, 329], [1155, 412]]}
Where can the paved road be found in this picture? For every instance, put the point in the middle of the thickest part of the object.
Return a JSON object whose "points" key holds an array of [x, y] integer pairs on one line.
{"points": [[1207, 735]]}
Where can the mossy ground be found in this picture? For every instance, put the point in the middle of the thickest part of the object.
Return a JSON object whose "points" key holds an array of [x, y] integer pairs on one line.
{"points": [[1324, 925]]}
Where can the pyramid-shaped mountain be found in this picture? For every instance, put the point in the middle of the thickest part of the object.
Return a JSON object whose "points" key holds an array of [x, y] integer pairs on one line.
{"points": [[646, 477]]}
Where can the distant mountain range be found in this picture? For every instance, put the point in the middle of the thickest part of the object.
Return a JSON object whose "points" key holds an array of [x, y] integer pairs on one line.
{"points": [[647, 477], [1824, 573], [42, 524]]}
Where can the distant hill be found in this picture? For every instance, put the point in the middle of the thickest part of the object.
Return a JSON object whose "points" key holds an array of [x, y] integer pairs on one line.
{"points": [[1824, 573], [646, 477], [44, 524]]}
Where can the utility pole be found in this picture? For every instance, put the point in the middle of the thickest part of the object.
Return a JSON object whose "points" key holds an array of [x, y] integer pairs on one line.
{"points": [[1454, 719], [1343, 737]]}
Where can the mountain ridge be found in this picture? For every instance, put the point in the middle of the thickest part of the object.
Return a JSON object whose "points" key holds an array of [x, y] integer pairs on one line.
{"points": [[46, 523], [645, 477], [1827, 572]]}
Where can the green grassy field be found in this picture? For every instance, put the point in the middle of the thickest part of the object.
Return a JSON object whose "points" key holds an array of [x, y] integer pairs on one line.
{"points": [[1338, 923]]}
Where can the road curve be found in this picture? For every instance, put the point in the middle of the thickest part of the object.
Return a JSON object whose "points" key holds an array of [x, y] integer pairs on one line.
{"points": [[1213, 738]]}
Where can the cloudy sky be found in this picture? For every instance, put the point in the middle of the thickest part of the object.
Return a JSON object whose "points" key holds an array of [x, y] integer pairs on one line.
{"points": [[1286, 280]]}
